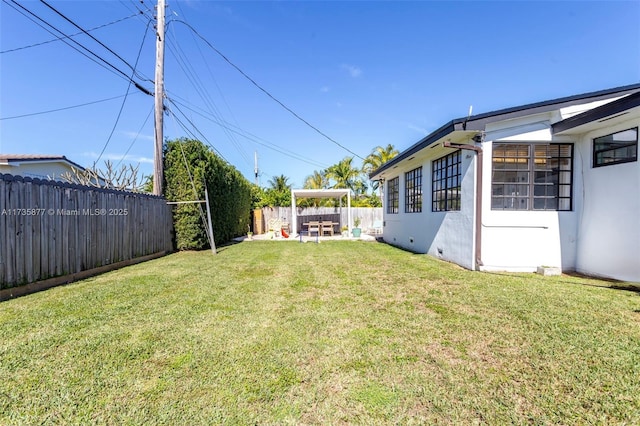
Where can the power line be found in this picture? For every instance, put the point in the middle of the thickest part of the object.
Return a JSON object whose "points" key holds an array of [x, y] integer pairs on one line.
{"points": [[113, 129], [249, 136], [265, 91], [147, 14], [112, 68], [109, 66], [65, 108], [201, 89], [136, 138], [184, 127], [95, 39], [69, 36], [219, 114]]}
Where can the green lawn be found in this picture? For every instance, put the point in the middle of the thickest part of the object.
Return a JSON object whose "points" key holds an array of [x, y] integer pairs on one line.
{"points": [[333, 333]]}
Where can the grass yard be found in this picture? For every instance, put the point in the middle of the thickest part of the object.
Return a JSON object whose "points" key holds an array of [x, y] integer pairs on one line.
{"points": [[341, 332]]}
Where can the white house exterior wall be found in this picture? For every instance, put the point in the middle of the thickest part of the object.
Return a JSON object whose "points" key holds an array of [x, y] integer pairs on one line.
{"points": [[520, 241], [609, 221], [600, 235], [40, 170], [446, 235]]}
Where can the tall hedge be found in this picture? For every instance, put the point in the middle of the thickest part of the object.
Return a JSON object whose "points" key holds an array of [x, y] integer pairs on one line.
{"points": [[229, 194]]}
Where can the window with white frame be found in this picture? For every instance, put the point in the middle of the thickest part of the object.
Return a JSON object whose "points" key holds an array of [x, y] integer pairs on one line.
{"points": [[616, 148], [413, 191], [445, 183], [393, 195], [532, 176]]}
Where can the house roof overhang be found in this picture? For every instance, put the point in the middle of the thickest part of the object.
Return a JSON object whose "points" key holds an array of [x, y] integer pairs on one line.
{"points": [[477, 123], [18, 159], [608, 114], [451, 132]]}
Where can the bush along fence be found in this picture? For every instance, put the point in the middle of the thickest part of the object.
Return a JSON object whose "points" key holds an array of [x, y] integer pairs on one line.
{"points": [[189, 168], [54, 229], [368, 216]]}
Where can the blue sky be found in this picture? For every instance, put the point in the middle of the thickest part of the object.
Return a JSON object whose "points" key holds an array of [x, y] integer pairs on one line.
{"points": [[363, 73]]}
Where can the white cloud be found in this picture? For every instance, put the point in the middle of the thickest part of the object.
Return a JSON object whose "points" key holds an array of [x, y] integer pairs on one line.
{"points": [[418, 129], [135, 135], [119, 157], [352, 70], [324, 89]]}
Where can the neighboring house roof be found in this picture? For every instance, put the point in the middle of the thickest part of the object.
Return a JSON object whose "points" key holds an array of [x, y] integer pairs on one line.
{"points": [[476, 123], [607, 112], [17, 159]]}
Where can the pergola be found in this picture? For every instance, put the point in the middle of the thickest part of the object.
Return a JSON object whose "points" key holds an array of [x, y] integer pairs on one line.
{"points": [[318, 193]]}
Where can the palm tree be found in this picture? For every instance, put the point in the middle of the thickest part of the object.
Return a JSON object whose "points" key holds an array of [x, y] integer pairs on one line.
{"points": [[318, 180], [344, 174], [280, 184], [280, 192], [376, 159]]}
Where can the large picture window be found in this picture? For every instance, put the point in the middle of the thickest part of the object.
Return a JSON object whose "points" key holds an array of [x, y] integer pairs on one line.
{"points": [[393, 195], [616, 148], [413, 191], [532, 177], [445, 184]]}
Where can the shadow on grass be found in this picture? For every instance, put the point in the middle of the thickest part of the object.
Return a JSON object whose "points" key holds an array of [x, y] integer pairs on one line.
{"points": [[615, 284], [224, 246]]}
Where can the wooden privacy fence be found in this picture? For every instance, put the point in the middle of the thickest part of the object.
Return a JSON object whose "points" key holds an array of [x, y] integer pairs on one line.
{"points": [[51, 229], [368, 215]]}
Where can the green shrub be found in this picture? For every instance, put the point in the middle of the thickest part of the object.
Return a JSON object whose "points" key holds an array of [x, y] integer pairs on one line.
{"points": [[229, 194]]}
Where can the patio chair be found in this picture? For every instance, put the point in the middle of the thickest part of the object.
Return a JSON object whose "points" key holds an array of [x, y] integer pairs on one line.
{"points": [[314, 227], [327, 227], [376, 228]]}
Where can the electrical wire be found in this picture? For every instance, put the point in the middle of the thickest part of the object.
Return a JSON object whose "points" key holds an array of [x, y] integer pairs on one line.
{"points": [[124, 101], [135, 72], [213, 107], [249, 136], [146, 13], [105, 64], [201, 89], [264, 90], [71, 35], [66, 108], [136, 137], [193, 135]]}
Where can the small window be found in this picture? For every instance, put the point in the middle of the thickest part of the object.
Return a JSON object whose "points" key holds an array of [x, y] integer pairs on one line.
{"points": [[445, 183], [393, 195], [616, 148], [413, 191]]}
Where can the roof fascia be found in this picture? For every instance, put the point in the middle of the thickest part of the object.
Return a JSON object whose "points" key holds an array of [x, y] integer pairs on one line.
{"points": [[54, 159], [479, 122], [425, 142], [606, 110]]}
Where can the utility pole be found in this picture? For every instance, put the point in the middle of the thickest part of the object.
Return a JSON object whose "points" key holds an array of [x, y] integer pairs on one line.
{"points": [[158, 172], [255, 168]]}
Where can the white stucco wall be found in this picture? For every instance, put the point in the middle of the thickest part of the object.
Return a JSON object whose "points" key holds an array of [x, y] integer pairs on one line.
{"points": [[520, 241], [446, 235], [609, 222], [599, 236], [37, 170]]}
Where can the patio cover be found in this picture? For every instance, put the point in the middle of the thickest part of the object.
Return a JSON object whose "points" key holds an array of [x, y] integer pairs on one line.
{"points": [[318, 193]]}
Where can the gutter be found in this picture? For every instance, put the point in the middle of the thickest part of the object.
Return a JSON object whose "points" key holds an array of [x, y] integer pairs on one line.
{"points": [[478, 218]]}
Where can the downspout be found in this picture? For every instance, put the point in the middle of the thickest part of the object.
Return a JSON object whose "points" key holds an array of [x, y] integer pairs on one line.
{"points": [[478, 224]]}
